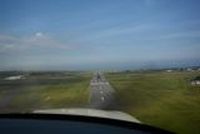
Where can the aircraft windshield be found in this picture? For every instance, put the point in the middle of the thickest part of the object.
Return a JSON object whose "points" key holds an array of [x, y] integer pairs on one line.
{"points": [[138, 60]]}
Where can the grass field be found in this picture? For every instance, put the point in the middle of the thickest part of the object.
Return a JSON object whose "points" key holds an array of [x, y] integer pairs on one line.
{"points": [[165, 100], [45, 90]]}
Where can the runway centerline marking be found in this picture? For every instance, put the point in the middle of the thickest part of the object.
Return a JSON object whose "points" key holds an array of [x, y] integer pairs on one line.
{"points": [[102, 98]]}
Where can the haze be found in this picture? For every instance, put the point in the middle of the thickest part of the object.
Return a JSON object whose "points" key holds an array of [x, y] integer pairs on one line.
{"points": [[98, 34]]}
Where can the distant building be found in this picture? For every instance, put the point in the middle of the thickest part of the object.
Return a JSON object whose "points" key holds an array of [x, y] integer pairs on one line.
{"points": [[189, 70], [18, 77], [196, 81], [169, 71]]}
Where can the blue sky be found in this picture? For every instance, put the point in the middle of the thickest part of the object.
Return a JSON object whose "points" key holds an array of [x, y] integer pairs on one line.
{"points": [[98, 34]]}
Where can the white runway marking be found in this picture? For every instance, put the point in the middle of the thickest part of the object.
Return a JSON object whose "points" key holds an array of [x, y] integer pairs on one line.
{"points": [[101, 92], [102, 98]]}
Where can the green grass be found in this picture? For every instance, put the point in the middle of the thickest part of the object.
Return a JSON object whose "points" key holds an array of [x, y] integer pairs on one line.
{"points": [[165, 100], [44, 91]]}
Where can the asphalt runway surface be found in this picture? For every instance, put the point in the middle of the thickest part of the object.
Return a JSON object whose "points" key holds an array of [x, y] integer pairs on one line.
{"points": [[102, 95]]}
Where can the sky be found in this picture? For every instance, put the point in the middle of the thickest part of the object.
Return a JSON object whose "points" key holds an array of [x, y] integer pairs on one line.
{"points": [[98, 34]]}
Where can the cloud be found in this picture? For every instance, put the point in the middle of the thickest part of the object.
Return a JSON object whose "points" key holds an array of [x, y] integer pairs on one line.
{"points": [[8, 43], [12, 43], [149, 2], [178, 35], [39, 34], [116, 31]]}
